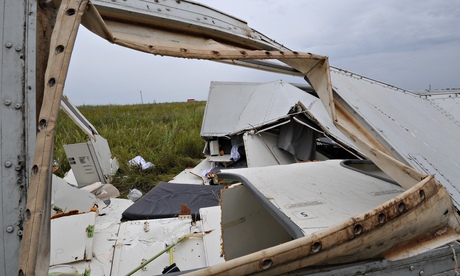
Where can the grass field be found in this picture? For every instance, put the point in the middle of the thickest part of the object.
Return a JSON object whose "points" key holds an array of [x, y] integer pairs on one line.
{"points": [[166, 134]]}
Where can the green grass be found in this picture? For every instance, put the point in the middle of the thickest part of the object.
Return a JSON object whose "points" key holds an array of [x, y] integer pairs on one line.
{"points": [[166, 134]]}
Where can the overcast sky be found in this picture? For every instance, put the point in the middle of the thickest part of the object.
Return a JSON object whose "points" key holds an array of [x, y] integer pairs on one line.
{"points": [[411, 44]]}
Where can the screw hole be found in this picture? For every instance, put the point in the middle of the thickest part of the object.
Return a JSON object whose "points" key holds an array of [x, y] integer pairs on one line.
{"points": [[401, 207], [316, 247], [70, 12], [422, 194], [51, 82], [28, 215], [42, 124], [266, 263], [446, 212], [382, 218], [358, 229], [34, 169], [59, 49]]}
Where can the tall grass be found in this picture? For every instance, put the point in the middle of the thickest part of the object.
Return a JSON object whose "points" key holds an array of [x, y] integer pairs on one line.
{"points": [[166, 134]]}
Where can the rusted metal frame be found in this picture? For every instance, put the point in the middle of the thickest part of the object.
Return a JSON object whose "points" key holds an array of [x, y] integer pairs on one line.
{"points": [[93, 21], [220, 54], [320, 79], [314, 67], [179, 16], [34, 252], [372, 148], [421, 215]]}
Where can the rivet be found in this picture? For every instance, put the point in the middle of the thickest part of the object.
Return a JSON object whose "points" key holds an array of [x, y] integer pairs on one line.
{"points": [[8, 45], [20, 232], [421, 272], [412, 268], [9, 229], [18, 48], [8, 164], [7, 102], [18, 168], [17, 106]]}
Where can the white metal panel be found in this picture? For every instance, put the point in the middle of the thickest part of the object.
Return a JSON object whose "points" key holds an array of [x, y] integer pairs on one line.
{"points": [[193, 175], [69, 238], [103, 157], [69, 198], [262, 150], [407, 124], [138, 241], [18, 122], [316, 195], [210, 220], [83, 163], [105, 237], [247, 226], [233, 107]]}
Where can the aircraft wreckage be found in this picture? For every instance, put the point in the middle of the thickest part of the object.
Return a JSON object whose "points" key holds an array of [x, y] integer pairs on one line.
{"points": [[339, 175]]}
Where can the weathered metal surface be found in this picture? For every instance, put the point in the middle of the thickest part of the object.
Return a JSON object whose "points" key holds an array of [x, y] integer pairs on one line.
{"points": [[17, 127], [233, 107], [426, 219], [420, 219], [34, 254], [70, 240], [211, 223], [400, 120], [200, 42], [261, 150], [138, 241], [318, 195], [75, 115], [441, 261], [179, 15]]}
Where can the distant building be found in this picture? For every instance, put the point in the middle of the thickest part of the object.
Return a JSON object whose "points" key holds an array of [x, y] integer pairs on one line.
{"points": [[191, 100]]}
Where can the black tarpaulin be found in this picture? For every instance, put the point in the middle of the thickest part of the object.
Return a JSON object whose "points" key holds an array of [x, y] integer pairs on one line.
{"points": [[165, 199]]}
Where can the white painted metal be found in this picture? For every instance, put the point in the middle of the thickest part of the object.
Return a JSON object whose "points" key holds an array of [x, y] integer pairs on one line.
{"points": [[247, 105], [105, 237], [204, 19], [138, 241], [210, 220], [245, 222], [77, 117], [262, 150], [68, 198], [17, 127], [233, 107], [69, 238], [91, 161], [317, 195], [415, 129], [193, 175]]}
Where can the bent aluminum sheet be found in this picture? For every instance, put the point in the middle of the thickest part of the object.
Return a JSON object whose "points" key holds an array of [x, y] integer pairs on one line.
{"points": [[416, 221], [417, 129], [317, 195], [233, 107]]}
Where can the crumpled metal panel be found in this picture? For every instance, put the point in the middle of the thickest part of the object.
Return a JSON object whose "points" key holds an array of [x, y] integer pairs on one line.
{"points": [[317, 195], [416, 129], [234, 107]]}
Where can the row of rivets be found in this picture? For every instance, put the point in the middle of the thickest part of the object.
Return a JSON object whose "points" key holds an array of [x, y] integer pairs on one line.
{"points": [[9, 45]]}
